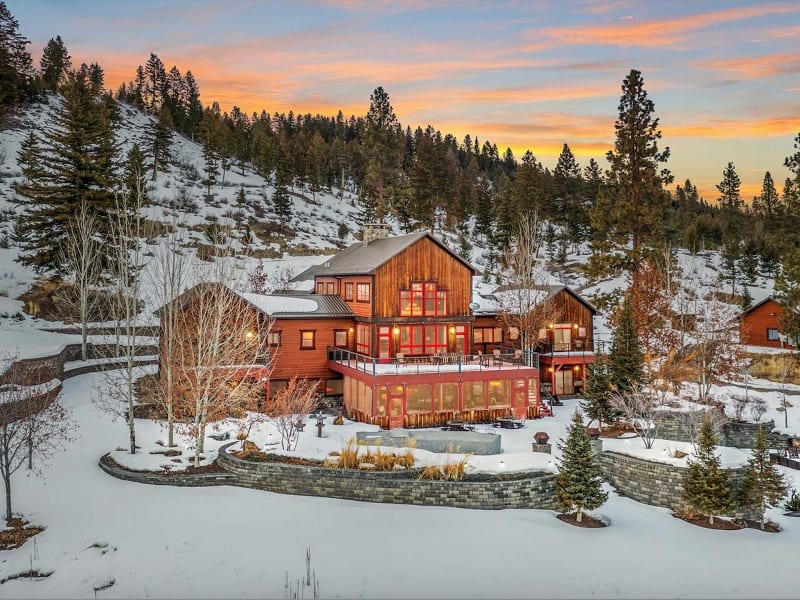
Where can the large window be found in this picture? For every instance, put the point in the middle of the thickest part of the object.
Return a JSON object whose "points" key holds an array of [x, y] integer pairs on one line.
{"points": [[499, 393], [446, 397], [423, 299], [362, 338], [308, 339], [419, 398], [772, 335], [473, 395], [423, 339], [487, 335], [362, 292]]}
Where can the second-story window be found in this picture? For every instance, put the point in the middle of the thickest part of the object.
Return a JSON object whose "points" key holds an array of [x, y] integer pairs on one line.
{"points": [[423, 299], [274, 338], [308, 340], [331, 288], [348, 291], [362, 292]]}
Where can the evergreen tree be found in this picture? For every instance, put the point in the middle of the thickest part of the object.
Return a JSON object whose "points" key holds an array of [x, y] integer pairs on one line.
{"points": [[578, 484], [787, 293], [135, 173], [596, 401], [383, 155], [16, 66], [155, 80], [764, 486], [729, 189], [55, 63], [75, 163], [625, 361], [707, 486], [639, 199], [768, 205], [160, 133]]}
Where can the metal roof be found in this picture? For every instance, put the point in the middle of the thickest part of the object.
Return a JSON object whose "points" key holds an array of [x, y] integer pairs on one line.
{"points": [[364, 259]]}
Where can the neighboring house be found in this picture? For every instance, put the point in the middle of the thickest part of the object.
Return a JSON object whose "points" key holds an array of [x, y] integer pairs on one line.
{"points": [[759, 325], [565, 346], [390, 326]]}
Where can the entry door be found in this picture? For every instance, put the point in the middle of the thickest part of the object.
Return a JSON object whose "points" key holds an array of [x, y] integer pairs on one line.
{"points": [[395, 406], [564, 384], [384, 343]]}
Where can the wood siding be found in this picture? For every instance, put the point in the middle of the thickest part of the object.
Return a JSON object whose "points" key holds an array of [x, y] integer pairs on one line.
{"points": [[753, 326], [574, 312], [313, 364], [423, 261]]}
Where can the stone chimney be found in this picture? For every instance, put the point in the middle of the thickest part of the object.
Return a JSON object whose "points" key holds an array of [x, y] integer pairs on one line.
{"points": [[374, 231]]}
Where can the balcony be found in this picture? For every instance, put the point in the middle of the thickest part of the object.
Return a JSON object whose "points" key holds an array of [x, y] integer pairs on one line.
{"points": [[448, 363], [577, 348]]}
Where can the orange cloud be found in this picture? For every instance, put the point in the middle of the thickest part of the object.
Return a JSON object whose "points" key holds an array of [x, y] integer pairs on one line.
{"points": [[753, 67], [667, 32], [713, 127]]}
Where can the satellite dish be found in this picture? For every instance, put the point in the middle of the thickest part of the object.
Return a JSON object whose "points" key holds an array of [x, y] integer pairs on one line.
{"points": [[474, 306]]}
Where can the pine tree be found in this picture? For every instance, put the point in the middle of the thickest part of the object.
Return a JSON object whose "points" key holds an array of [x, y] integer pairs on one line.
{"points": [[639, 199], [75, 164], [764, 486], [626, 360], [596, 401], [381, 150], [707, 486], [787, 293], [135, 173], [729, 189], [578, 484], [55, 63], [768, 205], [16, 66], [160, 133]]}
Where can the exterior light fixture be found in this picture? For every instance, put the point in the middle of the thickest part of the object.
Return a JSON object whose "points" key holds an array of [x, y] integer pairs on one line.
{"points": [[396, 331]]}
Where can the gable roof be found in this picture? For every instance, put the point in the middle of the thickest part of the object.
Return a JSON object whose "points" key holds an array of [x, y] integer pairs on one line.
{"points": [[747, 311], [364, 259], [491, 306]]}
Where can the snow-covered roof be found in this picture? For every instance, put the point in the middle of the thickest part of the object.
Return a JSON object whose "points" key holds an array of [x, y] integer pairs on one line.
{"points": [[280, 304], [506, 297]]}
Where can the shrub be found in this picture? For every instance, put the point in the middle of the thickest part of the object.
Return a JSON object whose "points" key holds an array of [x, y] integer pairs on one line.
{"points": [[793, 503]]}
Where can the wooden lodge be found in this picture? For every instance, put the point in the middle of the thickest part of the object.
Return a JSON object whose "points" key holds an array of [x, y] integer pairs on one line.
{"points": [[390, 326], [760, 325]]}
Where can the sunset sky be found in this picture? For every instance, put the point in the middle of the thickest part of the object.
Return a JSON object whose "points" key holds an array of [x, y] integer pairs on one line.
{"points": [[724, 76]]}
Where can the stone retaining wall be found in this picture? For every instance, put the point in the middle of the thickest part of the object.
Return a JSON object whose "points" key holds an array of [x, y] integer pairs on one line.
{"points": [[177, 479], [532, 490], [658, 484], [673, 425]]}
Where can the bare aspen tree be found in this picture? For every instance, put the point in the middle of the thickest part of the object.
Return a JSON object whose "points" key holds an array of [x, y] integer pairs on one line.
{"points": [[168, 275], [125, 267], [638, 408], [32, 425], [82, 256], [221, 361], [290, 407], [526, 304]]}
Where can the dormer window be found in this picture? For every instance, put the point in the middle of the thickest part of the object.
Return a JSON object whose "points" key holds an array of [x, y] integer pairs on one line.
{"points": [[423, 299]]}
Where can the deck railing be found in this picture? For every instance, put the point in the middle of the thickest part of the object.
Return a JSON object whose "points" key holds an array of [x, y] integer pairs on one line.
{"points": [[434, 363], [581, 348]]}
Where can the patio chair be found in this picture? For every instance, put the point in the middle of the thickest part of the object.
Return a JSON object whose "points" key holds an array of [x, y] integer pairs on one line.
{"points": [[497, 359], [401, 358]]}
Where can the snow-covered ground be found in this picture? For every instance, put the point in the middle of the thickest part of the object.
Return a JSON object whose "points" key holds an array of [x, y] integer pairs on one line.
{"points": [[166, 542]]}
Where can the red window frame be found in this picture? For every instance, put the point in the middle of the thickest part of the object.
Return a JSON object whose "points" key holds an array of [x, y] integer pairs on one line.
{"points": [[424, 299], [423, 339], [362, 338], [348, 291], [363, 292]]}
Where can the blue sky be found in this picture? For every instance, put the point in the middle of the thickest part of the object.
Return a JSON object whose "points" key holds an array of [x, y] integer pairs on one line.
{"points": [[525, 74]]}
